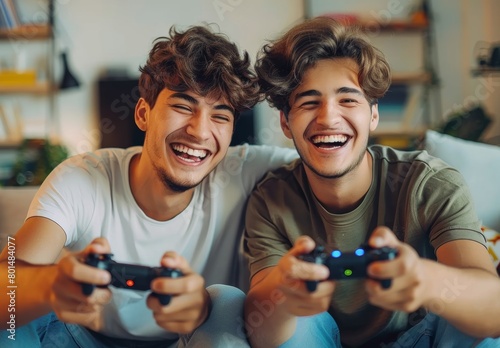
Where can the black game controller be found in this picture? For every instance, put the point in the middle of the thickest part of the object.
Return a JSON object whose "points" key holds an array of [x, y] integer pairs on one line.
{"points": [[129, 276], [348, 265]]}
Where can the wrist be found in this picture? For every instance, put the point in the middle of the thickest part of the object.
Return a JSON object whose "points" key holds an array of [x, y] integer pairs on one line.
{"points": [[207, 308]]}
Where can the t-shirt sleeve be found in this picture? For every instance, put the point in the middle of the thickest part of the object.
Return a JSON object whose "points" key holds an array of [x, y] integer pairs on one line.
{"points": [[448, 209], [64, 197], [263, 244]]}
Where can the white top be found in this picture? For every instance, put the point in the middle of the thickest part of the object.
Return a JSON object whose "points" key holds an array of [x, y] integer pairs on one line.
{"points": [[89, 196]]}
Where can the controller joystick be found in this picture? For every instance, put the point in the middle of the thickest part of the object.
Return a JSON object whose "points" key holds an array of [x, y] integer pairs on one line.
{"points": [[350, 265], [128, 276]]}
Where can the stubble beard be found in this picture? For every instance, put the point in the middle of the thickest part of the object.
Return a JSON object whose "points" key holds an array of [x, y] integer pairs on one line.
{"points": [[335, 175], [176, 184]]}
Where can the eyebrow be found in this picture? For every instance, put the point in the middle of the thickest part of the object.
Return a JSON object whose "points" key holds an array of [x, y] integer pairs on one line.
{"points": [[316, 93], [184, 96], [193, 100], [344, 90]]}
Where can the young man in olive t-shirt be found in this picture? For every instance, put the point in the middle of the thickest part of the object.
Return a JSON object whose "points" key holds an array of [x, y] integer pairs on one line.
{"points": [[326, 79]]}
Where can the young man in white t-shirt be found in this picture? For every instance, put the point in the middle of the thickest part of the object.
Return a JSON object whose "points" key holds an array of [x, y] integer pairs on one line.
{"points": [[176, 202]]}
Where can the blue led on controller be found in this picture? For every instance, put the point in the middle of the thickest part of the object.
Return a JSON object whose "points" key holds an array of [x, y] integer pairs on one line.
{"points": [[359, 252], [336, 253]]}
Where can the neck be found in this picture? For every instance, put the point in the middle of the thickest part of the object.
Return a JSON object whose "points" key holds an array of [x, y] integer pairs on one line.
{"points": [[155, 199], [344, 194]]}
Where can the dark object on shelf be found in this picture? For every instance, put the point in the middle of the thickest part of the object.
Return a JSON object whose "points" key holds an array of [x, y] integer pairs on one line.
{"points": [[117, 96], [467, 124], [68, 80], [495, 57], [35, 160], [488, 55], [244, 129]]}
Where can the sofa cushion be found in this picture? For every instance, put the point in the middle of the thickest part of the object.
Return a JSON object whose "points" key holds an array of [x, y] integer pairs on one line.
{"points": [[14, 204], [479, 164]]}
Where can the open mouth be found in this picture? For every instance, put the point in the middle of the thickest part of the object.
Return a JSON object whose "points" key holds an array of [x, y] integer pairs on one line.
{"points": [[188, 154], [330, 141]]}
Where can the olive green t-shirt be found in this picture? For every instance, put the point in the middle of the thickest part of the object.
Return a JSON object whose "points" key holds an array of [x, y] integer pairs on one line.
{"points": [[424, 201]]}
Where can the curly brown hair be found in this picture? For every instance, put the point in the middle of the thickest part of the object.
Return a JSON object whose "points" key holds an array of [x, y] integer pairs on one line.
{"points": [[202, 61], [281, 64]]}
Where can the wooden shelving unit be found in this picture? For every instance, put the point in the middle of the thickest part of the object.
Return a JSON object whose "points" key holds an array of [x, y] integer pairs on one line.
{"points": [[406, 133], [26, 33]]}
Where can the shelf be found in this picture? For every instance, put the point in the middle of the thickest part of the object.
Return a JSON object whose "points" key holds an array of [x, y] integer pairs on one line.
{"points": [[417, 24], [396, 132], [27, 32], [10, 144], [403, 139], [409, 78], [485, 71], [393, 26], [38, 88]]}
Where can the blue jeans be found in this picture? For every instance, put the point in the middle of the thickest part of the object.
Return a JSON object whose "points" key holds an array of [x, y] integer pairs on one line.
{"points": [[223, 328], [432, 332]]}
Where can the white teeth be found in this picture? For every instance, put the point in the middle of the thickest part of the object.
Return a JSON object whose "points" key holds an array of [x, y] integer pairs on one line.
{"points": [[190, 151], [338, 138]]}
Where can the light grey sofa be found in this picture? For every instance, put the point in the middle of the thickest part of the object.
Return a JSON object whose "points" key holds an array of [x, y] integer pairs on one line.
{"points": [[479, 164]]}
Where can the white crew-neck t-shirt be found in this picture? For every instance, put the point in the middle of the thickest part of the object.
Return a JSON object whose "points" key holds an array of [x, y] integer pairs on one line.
{"points": [[89, 196]]}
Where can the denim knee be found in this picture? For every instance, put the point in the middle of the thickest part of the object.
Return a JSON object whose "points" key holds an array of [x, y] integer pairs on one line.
{"points": [[437, 332], [224, 326], [319, 330], [28, 335]]}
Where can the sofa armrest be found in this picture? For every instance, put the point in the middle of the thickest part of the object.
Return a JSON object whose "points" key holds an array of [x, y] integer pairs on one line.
{"points": [[14, 204]]}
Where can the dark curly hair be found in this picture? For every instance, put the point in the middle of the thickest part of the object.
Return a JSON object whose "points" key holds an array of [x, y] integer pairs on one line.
{"points": [[203, 62], [281, 64]]}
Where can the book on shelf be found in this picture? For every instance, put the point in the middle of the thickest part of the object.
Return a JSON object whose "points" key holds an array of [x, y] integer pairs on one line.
{"points": [[9, 17]]}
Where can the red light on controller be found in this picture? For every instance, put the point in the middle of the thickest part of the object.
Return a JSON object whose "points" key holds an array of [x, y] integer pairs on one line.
{"points": [[130, 283]]}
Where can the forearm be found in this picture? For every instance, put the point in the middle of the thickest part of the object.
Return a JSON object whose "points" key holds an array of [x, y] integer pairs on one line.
{"points": [[26, 292], [267, 321], [467, 298]]}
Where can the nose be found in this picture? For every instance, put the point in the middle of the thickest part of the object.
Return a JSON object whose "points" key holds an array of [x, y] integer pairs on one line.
{"points": [[199, 126], [328, 114]]}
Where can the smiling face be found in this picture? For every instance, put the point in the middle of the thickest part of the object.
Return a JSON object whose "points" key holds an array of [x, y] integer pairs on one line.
{"points": [[330, 119], [186, 136]]}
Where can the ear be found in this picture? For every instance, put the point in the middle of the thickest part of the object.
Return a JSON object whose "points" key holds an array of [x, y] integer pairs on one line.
{"points": [[284, 125], [375, 117], [141, 114]]}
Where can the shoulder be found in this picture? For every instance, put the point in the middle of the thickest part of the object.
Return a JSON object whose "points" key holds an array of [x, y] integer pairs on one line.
{"points": [[91, 169], [103, 156], [423, 175], [247, 164], [283, 178], [249, 153], [417, 162], [393, 156]]}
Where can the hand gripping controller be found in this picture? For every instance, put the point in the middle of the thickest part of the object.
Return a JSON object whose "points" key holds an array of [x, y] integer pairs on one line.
{"points": [[129, 276], [348, 265]]}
